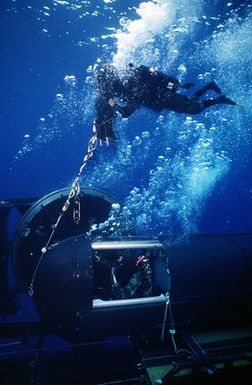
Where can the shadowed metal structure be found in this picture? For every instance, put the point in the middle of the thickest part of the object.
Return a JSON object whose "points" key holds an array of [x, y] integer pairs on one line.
{"points": [[80, 285], [36, 225], [75, 303], [73, 288]]}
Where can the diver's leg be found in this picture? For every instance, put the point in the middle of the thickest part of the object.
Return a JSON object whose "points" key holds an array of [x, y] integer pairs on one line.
{"points": [[177, 102], [182, 104], [196, 106], [220, 100], [210, 86]]}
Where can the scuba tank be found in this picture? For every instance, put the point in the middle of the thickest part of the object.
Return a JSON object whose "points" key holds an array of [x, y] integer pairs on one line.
{"points": [[156, 79]]}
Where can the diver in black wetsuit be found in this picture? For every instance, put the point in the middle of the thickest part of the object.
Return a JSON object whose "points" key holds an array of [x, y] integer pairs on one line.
{"points": [[146, 87]]}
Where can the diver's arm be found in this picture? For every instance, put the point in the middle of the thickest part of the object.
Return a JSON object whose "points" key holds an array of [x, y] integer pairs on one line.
{"points": [[125, 111]]}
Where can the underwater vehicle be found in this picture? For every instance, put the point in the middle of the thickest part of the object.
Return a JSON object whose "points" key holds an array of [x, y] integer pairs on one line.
{"points": [[88, 289]]}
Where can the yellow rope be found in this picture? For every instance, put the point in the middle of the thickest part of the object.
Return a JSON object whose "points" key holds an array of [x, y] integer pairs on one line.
{"points": [[74, 192]]}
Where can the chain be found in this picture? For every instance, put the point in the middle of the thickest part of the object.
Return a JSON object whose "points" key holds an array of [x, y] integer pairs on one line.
{"points": [[74, 192]]}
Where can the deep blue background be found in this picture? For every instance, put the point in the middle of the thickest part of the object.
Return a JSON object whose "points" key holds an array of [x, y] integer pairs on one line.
{"points": [[37, 52]]}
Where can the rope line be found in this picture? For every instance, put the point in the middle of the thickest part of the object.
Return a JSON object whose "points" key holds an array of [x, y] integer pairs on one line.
{"points": [[74, 192]]}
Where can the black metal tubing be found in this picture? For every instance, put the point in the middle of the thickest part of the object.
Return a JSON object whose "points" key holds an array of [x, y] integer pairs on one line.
{"points": [[8, 302]]}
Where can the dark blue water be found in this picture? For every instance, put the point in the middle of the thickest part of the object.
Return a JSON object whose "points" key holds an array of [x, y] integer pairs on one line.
{"points": [[173, 173]]}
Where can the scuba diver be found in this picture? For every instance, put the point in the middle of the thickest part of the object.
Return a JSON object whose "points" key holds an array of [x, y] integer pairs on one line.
{"points": [[145, 87]]}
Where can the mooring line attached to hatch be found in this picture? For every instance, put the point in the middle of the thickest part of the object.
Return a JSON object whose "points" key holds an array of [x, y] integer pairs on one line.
{"points": [[74, 192]]}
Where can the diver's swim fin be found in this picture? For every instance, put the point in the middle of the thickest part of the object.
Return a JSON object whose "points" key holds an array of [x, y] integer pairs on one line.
{"points": [[223, 99]]}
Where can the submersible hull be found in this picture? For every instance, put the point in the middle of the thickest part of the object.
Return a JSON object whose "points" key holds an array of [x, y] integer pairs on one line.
{"points": [[205, 278]]}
